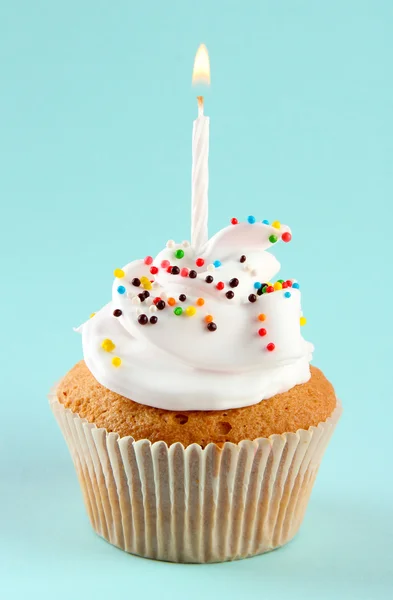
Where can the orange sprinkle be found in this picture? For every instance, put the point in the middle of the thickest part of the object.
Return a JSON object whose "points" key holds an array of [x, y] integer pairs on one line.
{"points": [[200, 302], [208, 319], [171, 301], [261, 317]]}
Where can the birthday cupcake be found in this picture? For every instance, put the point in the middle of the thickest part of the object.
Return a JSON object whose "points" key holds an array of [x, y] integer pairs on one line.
{"points": [[195, 423]]}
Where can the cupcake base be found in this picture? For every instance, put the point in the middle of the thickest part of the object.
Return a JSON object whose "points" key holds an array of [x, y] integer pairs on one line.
{"points": [[194, 505]]}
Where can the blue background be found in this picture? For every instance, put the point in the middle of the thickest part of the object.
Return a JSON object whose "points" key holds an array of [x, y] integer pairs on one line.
{"points": [[96, 112]]}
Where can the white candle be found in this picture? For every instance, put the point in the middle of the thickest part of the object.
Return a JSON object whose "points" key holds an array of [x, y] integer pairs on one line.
{"points": [[200, 178]]}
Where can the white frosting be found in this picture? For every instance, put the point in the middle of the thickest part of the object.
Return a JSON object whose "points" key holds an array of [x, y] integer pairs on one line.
{"points": [[177, 363]]}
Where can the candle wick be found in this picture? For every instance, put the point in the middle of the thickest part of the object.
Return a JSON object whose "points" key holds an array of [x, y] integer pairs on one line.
{"points": [[200, 106]]}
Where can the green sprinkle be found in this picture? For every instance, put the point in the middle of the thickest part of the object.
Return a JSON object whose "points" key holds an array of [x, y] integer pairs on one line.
{"points": [[178, 311], [179, 253], [273, 239], [264, 289], [280, 280]]}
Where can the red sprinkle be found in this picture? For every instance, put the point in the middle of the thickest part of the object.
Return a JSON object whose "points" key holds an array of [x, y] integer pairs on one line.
{"points": [[262, 332], [289, 283], [153, 270], [165, 264], [286, 236], [234, 221], [169, 269], [184, 272], [199, 262], [157, 299], [148, 260], [270, 347], [270, 289], [284, 285], [220, 285]]}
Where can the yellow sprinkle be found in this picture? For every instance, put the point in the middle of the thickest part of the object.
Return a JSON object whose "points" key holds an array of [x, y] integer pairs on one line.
{"points": [[143, 279], [108, 345], [303, 321], [278, 285], [116, 361], [92, 315], [200, 302], [190, 311], [276, 224], [119, 273], [147, 285], [269, 283]]}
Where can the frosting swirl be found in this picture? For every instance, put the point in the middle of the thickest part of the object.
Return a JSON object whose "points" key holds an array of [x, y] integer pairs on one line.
{"points": [[188, 331]]}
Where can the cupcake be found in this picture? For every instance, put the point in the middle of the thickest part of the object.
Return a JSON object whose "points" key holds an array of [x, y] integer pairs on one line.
{"points": [[195, 422]]}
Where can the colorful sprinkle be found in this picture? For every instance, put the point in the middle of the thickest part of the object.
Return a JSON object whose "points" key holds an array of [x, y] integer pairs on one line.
{"points": [[261, 317], [287, 294], [153, 270], [284, 285], [252, 298], [92, 315], [153, 320], [117, 312], [278, 285], [209, 279], [142, 319], [257, 285], [208, 318], [121, 289], [175, 270], [273, 239], [243, 258], [148, 260], [190, 311], [234, 221], [199, 262], [192, 274], [165, 264], [289, 283], [270, 347], [211, 326], [303, 321], [184, 272], [161, 305], [265, 222], [116, 361], [182, 297], [276, 224], [178, 311], [286, 237], [262, 332], [220, 285], [230, 294], [108, 345], [171, 301], [217, 263], [296, 286], [269, 289], [179, 253], [200, 302], [119, 273], [136, 282], [251, 219], [234, 282]]}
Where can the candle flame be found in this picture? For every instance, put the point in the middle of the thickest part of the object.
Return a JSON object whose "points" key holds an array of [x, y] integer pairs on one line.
{"points": [[201, 71]]}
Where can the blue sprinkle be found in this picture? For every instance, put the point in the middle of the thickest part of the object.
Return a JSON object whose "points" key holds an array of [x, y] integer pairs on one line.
{"points": [[217, 263], [121, 289], [257, 285], [296, 286], [251, 219], [265, 222], [287, 294]]}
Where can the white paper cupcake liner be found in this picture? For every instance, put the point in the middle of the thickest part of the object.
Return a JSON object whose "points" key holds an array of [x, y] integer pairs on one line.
{"points": [[192, 504]]}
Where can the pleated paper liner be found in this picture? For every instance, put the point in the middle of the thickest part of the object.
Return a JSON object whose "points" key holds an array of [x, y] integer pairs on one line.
{"points": [[191, 504]]}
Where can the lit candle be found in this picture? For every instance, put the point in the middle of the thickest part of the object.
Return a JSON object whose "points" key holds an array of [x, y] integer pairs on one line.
{"points": [[200, 156]]}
